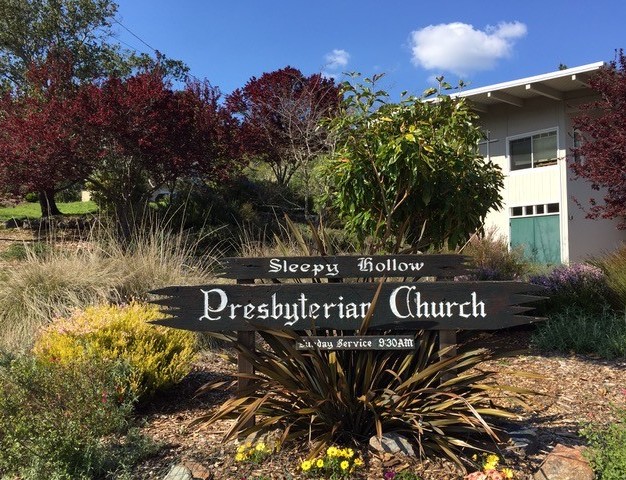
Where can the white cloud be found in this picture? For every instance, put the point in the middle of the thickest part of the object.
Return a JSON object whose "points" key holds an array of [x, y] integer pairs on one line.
{"points": [[461, 49], [337, 59]]}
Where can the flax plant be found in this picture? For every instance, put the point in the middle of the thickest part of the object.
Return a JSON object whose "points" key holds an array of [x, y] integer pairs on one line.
{"points": [[442, 404]]}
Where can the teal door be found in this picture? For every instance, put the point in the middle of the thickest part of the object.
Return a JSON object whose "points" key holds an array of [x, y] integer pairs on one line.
{"points": [[540, 236]]}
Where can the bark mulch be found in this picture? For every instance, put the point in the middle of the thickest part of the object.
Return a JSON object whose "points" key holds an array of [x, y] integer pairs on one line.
{"points": [[572, 390]]}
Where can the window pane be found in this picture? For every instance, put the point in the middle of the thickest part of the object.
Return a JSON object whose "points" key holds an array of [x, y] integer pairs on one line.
{"points": [[516, 211], [520, 153], [544, 148], [539, 209], [528, 210], [553, 208]]}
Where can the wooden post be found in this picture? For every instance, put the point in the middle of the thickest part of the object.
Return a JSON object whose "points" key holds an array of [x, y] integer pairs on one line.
{"points": [[247, 339], [447, 338]]}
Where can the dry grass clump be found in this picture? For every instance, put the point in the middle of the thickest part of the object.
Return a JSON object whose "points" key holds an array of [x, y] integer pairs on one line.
{"points": [[492, 259], [102, 269]]}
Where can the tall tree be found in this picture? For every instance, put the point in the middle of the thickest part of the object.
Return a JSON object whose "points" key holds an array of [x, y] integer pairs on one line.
{"points": [[45, 142], [410, 170], [281, 113], [602, 126], [34, 32], [30, 29]]}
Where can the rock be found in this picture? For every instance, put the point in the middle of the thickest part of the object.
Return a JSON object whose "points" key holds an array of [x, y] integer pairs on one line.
{"points": [[565, 463], [523, 441], [197, 470], [179, 472], [392, 443]]}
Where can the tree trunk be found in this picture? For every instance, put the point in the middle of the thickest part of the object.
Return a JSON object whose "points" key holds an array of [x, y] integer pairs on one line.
{"points": [[48, 204]]}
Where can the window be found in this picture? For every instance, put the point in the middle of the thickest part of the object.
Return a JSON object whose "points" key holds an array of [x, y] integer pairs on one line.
{"points": [[539, 150], [533, 210]]}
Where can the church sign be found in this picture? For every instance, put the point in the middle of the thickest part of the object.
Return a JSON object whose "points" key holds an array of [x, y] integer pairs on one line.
{"points": [[338, 298]]}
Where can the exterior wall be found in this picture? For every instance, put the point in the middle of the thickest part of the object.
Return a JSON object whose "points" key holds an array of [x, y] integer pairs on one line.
{"points": [[588, 238], [580, 237]]}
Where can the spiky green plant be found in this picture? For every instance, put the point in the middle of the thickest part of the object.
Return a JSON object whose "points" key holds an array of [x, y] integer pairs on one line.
{"points": [[442, 405]]}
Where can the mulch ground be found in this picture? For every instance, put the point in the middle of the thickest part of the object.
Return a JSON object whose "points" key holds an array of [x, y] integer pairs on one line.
{"points": [[571, 390]]}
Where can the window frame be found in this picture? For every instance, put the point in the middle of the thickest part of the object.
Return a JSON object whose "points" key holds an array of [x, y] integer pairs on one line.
{"points": [[530, 135]]}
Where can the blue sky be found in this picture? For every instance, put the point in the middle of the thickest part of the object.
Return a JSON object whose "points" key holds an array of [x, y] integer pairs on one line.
{"points": [[412, 42]]}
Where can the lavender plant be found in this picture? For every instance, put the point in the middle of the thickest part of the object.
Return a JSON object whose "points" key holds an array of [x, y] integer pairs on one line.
{"points": [[579, 285]]}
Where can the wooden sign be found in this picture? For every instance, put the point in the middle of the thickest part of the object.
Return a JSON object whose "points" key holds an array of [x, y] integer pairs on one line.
{"points": [[349, 266], [343, 306]]}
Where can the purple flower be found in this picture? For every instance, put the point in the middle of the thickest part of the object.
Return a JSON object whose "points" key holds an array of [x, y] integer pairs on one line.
{"points": [[389, 474], [572, 277]]}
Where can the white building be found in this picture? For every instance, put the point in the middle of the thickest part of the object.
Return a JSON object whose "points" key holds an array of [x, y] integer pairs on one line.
{"points": [[528, 123]]}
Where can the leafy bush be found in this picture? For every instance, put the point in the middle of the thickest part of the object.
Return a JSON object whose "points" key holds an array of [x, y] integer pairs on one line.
{"points": [[578, 285], [158, 356], [64, 423], [580, 331], [492, 260], [608, 448], [345, 397]]}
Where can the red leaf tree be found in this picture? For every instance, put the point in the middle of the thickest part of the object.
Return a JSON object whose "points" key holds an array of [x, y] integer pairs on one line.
{"points": [[46, 144], [126, 137], [602, 126], [152, 136], [280, 116]]}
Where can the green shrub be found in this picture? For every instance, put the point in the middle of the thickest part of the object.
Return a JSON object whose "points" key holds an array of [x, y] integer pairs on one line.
{"points": [[578, 285], [346, 397], [492, 259], [65, 423], [580, 331], [158, 356], [607, 451]]}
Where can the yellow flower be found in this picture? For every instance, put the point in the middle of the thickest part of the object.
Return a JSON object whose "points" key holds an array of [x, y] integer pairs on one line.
{"points": [[260, 447], [344, 465], [306, 466], [349, 453], [491, 462], [319, 463], [240, 457], [241, 449], [332, 452], [358, 462], [507, 472]]}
